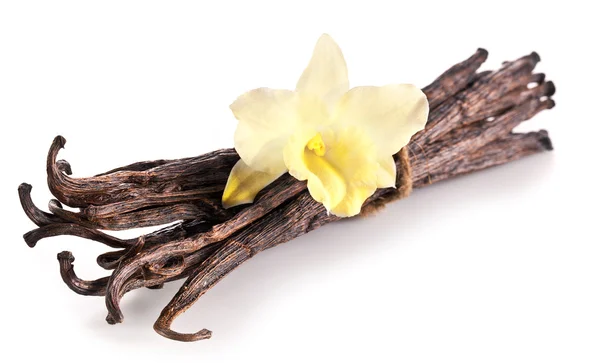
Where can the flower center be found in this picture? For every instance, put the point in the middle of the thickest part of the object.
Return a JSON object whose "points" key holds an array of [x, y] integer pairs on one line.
{"points": [[317, 145]]}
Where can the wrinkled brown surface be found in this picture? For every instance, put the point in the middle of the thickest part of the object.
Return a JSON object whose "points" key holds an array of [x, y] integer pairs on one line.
{"points": [[472, 115]]}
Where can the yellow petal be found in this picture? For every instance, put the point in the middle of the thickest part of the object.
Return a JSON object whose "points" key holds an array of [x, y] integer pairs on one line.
{"points": [[389, 115], [244, 183], [346, 173], [326, 75], [386, 175], [293, 153], [325, 184], [353, 201], [267, 118]]}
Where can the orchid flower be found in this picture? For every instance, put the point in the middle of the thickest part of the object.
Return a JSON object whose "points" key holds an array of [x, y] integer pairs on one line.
{"points": [[340, 140]]}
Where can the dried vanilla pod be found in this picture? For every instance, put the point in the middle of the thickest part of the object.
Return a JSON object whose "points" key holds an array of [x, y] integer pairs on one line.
{"points": [[207, 241]]}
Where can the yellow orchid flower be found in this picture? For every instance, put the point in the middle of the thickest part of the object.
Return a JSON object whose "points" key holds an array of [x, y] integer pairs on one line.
{"points": [[340, 140]]}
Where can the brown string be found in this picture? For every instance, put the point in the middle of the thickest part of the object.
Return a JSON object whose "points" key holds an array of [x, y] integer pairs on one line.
{"points": [[403, 185]]}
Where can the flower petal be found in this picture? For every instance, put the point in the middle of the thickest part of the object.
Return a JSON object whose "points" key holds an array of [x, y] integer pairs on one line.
{"points": [[326, 185], [353, 201], [386, 175], [390, 115], [244, 183], [326, 75], [266, 119], [293, 153]]}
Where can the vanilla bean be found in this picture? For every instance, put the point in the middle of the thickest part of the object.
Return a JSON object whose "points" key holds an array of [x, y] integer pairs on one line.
{"points": [[141, 218], [72, 229], [81, 287], [114, 209], [455, 78], [205, 172], [36, 215], [501, 151]]}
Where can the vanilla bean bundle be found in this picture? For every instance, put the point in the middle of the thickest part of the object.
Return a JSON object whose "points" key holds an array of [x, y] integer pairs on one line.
{"points": [[472, 115]]}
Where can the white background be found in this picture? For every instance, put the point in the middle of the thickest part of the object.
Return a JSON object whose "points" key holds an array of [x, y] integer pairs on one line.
{"points": [[499, 266]]}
